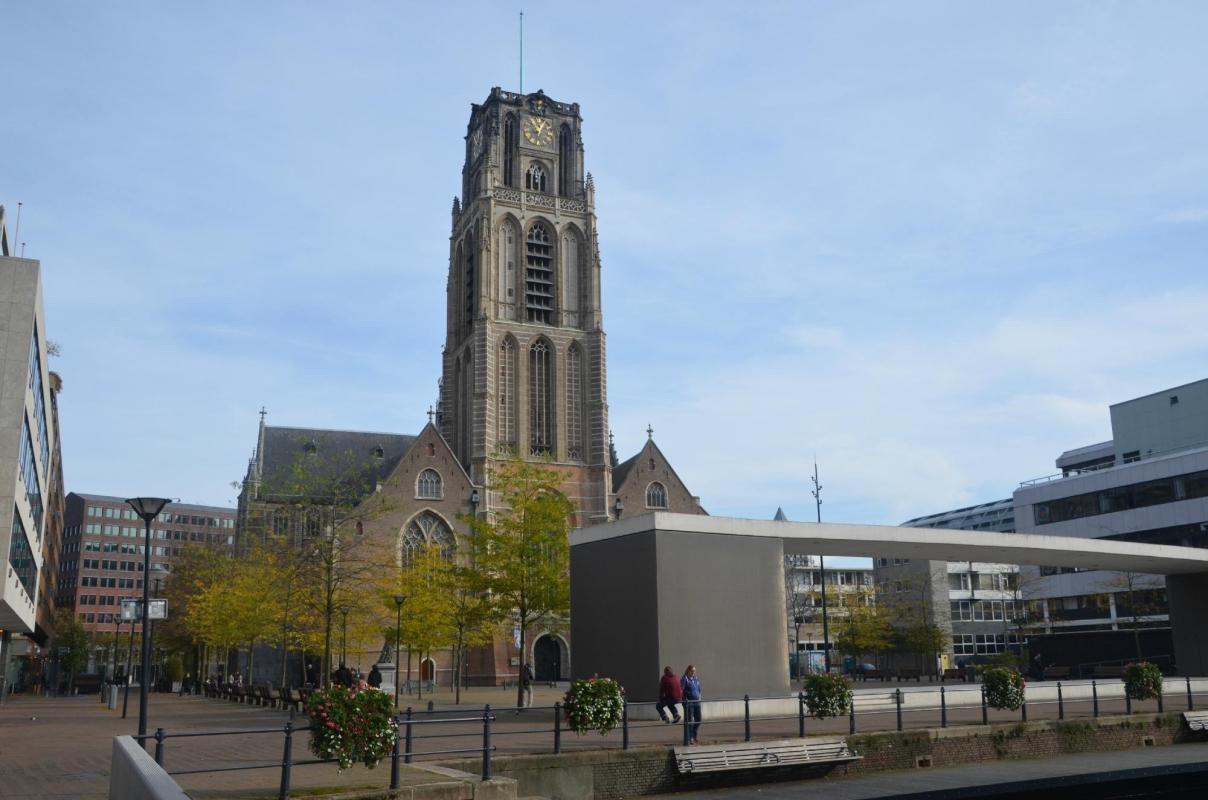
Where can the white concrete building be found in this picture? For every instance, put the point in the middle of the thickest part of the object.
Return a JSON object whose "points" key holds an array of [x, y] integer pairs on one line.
{"points": [[26, 441], [1148, 484]]}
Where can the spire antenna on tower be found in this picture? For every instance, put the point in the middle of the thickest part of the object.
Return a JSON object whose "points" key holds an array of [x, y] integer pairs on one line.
{"points": [[522, 52]]}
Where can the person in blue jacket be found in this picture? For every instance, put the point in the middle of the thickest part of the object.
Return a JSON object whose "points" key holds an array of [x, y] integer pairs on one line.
{"points": [[690, 684]]}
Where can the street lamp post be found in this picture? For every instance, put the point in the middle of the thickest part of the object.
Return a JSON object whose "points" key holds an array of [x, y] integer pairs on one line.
{"points": [[147, 508], [398, 643], [817, 493]]}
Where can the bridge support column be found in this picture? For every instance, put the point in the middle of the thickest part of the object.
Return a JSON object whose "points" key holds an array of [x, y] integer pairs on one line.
{"points": [[655, 598], [1188, 598]]}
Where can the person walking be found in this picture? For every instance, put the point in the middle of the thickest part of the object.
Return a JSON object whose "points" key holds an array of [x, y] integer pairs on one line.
{"points": [[526, 683], [670, 693], [690, 691], [375, 677]]}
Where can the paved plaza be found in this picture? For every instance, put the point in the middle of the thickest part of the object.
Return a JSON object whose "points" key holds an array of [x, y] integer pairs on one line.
{"points": [[60, 748]]}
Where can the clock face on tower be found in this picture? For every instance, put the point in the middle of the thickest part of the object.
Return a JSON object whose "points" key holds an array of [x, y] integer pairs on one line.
{"points": [[538, 131]]}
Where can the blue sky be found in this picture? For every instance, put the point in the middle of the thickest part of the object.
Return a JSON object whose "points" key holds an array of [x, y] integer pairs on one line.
{"points": [[927, 243]]}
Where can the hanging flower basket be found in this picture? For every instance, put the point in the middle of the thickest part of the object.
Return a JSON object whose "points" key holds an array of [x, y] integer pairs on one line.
{"points": [[351, 726], [595, 704], [827, 695], [1143, 681], [1004, 688]]}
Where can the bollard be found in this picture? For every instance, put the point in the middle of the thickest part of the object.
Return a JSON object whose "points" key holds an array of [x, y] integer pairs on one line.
{"points": [[985, 708], [898, 700], [1190, 702], [407, 740], [943, 709], [851, 717], [486, 742], [1060, 703], [801, 714], [1095, 699], [159, 746], [287, 758], [746, 717], [394, 756], [557, 728], [624, 725]]}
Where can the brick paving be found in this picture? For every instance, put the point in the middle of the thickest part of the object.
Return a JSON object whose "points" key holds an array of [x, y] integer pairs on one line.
{"points": [[65, 751]]}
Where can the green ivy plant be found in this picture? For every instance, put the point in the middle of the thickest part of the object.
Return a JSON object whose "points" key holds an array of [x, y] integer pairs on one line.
{"points": [[827, 695], [1142, 681], [594, 704], [351, 726], [1004, 688]]}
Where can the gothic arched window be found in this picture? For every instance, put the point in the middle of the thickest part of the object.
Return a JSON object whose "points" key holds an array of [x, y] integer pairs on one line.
{"points": [[507, 393], [570, 277], [541, 399], [656, 495], [534, 179], [506, 270], [470, 296], [566, 163], [510, 144], [574, 403], [428, 485], [539, 276], [424, 529]]}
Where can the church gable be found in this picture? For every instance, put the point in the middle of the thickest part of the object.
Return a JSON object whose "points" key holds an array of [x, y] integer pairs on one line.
{"points": [[421, 500], [648, 482]]}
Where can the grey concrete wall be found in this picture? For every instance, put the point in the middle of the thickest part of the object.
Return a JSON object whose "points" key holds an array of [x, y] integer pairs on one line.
{"points": [[1188, 598], [655, 599], [614, 612], [134, 775], [721, 607]]}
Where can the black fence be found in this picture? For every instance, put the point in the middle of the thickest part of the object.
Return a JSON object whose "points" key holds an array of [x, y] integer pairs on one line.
{"points": [[869, 712]]}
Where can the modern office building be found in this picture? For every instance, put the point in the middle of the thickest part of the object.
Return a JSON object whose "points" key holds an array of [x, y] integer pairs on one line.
{"points": [[103, 547], [1149, 483], [984, 605], [28, 457]]}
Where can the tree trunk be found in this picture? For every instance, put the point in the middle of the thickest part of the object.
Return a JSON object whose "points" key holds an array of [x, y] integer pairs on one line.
{"points": [[407, 685]]}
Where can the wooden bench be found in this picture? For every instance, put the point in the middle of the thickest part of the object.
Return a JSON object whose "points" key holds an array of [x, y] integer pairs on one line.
{"points": [[1056, 673], [750, 755], [1103, 671], [1196, 720], [953, 674], [870, 674], [910, 675]]}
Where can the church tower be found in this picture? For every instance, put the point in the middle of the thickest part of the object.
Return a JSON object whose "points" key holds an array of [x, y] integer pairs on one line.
{"points": [[524, 358]]}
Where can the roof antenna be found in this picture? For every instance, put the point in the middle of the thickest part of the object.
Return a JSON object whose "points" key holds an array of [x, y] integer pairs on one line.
{"points": [[17, 232], [521, 79]]}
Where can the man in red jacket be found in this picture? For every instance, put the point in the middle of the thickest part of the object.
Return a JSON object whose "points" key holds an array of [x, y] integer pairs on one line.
{"points": [[669, 694]]}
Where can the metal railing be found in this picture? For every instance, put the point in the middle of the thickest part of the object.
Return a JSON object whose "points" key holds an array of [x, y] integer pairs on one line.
{"points": [[870, 711], [402, 749]]}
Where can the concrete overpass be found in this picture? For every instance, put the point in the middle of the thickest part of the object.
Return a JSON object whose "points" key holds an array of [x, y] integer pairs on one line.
{"points": [[664, 588]]}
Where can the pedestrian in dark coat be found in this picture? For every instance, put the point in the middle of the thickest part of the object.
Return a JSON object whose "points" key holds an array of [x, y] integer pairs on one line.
{"points": [[375, 677], [670, 693]]}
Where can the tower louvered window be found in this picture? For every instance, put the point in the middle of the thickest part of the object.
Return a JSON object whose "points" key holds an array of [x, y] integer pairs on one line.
{"points": [[539, 277], [574, 403], [470, 288], [541, 400], [510, 144], [566, 163], [507, 394]]}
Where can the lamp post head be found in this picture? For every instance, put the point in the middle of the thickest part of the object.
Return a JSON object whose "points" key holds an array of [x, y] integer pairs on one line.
{"points": [[619, 506], [398, 600], [474, 497], [148, 508]]}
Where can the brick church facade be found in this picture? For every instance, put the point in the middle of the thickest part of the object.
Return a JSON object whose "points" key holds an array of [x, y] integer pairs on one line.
{"points": [[524, 370]]}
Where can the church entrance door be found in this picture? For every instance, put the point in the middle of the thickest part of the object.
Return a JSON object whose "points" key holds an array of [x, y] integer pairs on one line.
{"points": [[547, 659]]}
